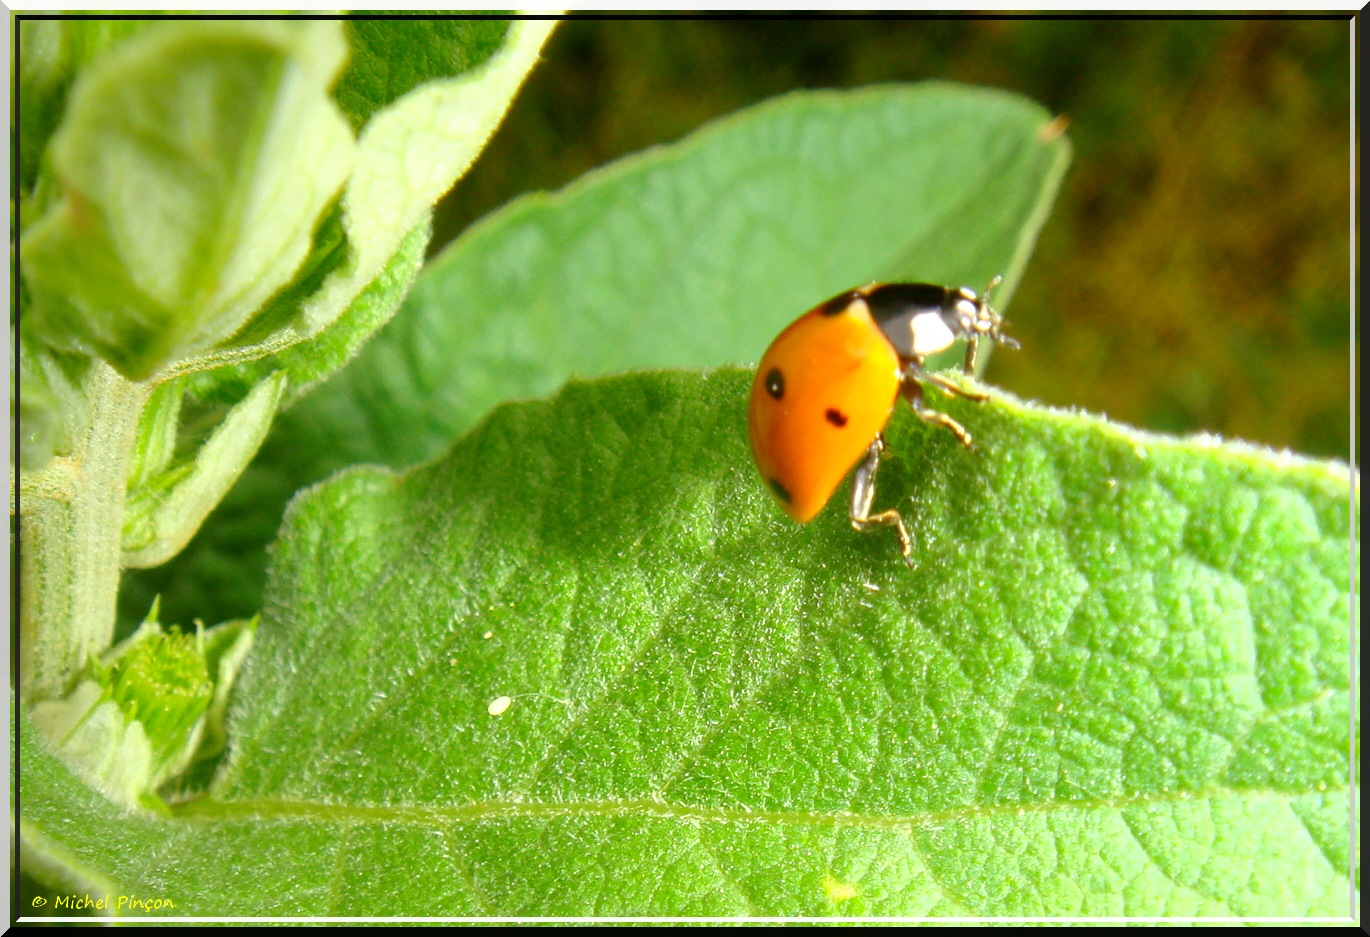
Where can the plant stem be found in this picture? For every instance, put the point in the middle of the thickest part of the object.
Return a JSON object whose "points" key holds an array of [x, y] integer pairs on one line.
{"points": [[71, 539]]}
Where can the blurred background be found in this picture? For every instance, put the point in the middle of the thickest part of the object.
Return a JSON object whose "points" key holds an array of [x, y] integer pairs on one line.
{"points": [[1194, 273]]}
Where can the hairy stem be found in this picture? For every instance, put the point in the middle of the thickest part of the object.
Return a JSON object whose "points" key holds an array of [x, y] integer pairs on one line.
{"points": [[70, 539]]}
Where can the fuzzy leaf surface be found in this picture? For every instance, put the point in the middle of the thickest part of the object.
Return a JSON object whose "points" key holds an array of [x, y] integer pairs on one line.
{"points": [[392, 57], [1117, 684]]}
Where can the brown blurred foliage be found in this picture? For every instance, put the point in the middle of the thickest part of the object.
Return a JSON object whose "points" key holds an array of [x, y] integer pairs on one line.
{"points": [[1194, 274]]}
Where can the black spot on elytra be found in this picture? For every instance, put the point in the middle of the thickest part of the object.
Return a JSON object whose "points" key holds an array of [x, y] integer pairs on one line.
{"points": [[775, 383], [780, 491], [836, 417]]}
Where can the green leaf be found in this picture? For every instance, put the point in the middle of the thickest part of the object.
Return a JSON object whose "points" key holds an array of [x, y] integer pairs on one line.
{"points": [[107, 750], [225, 648], [220, 573], [195, 160], [51, 54], [165, 510], [39, 419], [408, 155], [49, 400], [696, 255], [157, 431], [366, 252], [311, 360], [392, 57], [581, 665]]}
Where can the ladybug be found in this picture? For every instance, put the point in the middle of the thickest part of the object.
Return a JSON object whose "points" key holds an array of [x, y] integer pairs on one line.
{"points": [[828, 384]]}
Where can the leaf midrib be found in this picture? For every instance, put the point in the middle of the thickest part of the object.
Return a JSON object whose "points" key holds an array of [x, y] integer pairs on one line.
{"points": [[266, 808]]}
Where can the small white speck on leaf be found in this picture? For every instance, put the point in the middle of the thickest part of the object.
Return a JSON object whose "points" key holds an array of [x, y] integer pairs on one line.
{"points": [[498, 706], [488, 635]]}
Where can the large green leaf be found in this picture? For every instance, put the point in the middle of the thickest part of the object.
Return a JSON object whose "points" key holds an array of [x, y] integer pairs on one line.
{"points": [[581, 665]]}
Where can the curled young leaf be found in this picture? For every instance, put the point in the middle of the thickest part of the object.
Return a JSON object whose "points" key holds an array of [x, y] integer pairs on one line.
{"points": [[165, 509], [194, 161]]}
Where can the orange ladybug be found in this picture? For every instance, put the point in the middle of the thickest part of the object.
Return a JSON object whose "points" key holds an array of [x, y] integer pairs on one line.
{"points": [[826, 387]]}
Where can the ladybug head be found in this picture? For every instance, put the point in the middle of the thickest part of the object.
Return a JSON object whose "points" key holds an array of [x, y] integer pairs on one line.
{"points": [[974, 317]]}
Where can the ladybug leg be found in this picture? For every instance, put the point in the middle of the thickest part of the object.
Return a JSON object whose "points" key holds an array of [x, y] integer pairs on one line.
{"points": [[914, 371], [913, 393], [863, 495], [972, 348]]}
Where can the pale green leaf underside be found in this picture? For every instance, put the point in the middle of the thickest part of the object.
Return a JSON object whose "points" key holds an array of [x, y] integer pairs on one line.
{"points": [[1116, 685], [52, 52]]}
